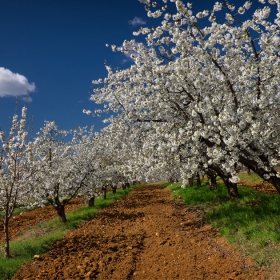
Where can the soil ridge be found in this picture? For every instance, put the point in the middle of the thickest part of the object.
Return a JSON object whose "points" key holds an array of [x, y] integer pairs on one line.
{"points": [[146, 235]]}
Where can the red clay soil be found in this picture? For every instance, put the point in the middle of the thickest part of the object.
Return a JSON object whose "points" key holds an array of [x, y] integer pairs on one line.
{"points": [[21, 222], [261, 186], [146, 235]]}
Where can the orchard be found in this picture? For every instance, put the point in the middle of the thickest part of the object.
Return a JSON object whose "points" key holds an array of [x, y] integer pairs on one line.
{"points": [[200, 98], [207, 91]]}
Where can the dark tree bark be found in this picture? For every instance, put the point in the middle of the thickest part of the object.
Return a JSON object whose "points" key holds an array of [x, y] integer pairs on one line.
{"points": [[91, 201], [246, 159], [60, 209], [104, 189], [7, 240], [58, 205], [253, 165], [212, 179], [9, 209], [114, 190], [190, 181], [231, 187], [212, 183], [198, 181]]}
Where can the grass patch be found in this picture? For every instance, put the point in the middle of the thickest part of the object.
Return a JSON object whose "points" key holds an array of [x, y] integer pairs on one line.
{"points": [[252, 177], [17, 210], [24, 250], [38, 239], [200, 196], [251, 223]]}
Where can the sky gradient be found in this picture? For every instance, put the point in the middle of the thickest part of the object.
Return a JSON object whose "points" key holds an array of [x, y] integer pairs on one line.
{"points": [[55, 48]]}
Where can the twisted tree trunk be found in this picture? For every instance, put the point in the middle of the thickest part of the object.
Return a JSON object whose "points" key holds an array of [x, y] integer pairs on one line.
{"points": [[60, 209], [253, 165], [212, 179], [231, 187]]}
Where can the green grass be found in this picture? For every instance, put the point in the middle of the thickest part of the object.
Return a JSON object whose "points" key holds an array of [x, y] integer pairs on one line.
{"points": [[252, 177], [251, 223], [17, 210], [24, 250], [37, 240], [201, 196]]}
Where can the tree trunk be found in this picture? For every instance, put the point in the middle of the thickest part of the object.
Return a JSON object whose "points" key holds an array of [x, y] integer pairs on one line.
{"points": [[7, 240], [274, 180], [190, 182], [232, 189], [91, 201], [212, 175], [114, 189], [60, 209], [198, 181], [104, 193], [212, 182]]}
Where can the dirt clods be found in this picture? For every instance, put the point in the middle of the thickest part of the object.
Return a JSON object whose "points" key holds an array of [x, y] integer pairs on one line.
{"points": [[146, 235]]}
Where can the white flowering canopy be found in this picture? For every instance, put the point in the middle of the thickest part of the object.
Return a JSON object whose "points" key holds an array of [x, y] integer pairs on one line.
{"points": [[207, 93]]}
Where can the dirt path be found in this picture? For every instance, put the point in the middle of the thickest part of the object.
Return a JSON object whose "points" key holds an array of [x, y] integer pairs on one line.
{"points": [[147, 235]]}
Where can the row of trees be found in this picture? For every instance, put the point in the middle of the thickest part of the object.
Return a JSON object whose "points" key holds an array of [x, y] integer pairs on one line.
{"points": [[53, 168], [202, 92], [200, 98]]}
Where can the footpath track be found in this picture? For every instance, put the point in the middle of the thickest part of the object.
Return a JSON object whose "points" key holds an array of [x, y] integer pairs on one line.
{"points": [[146, 235]]}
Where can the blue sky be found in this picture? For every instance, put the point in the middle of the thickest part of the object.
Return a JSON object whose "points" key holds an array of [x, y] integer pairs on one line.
{"points": [[56, 48]]}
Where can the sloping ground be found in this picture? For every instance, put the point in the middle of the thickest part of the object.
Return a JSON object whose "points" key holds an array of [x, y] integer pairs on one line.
{"points": [[259, 186], [146, 235], [21, 222]]}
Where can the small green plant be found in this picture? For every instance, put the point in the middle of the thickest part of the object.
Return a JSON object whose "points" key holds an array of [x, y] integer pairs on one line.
{"points": [[42, 224]]}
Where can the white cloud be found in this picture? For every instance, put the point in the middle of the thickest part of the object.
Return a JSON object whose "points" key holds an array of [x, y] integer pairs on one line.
{"points": [[137, 21], [14, 84], [125, 60]]}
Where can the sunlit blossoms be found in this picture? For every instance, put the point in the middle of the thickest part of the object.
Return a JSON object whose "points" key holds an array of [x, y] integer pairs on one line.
{"points": [[15, 174], [201, 97], [209, 96]]}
